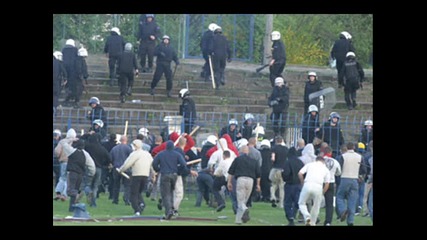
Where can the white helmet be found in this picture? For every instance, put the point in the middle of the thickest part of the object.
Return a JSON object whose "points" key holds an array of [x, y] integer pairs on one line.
{"points": [[82, 52], [369, 123], [128, 47], [350, 54], [241, 142], [275, 35], [217, 29], [212, 139], [183, 93], [94, 100], [143, 131], [259, 130], [233, 121], [346, 35], [58, 55], [56, 132], [166, 37], [266, 142], [249, 116], [98, 122], [116, 30], [212, 27], [279, 81], [70, 42], [313, 108], [312, 74]]}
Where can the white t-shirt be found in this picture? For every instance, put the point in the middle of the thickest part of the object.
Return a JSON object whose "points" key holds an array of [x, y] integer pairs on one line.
{"points": [[334, 168], [316, 171], [222, 169]]}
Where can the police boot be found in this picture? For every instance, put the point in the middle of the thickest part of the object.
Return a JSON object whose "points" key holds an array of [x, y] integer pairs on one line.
{"points": [[222, 79], [129, 91], [169, 93], [122, 98], [111, 82]]}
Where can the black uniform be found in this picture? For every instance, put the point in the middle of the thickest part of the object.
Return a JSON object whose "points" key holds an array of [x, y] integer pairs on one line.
{"points": [[82, 74], [311, 87], [59, 76], [165, 54], [279, 56], [279, 101], [127, 65], [204, 47], [98, 112], [351, 77], [147, 45], [220, 52], [114, 46], [332, 135], [340, 49], [69, 58], [188, 110], [233, 134], [308, 127]]}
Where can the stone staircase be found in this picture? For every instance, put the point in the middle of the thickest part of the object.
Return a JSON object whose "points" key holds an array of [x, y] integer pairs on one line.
{"points": [[245, 92]]}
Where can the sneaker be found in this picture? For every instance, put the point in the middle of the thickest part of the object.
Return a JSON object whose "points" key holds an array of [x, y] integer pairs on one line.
{"points": [[175, 213], [308, 222], [366, 215], [220, 207], [169, 215], [246, 217], [358, 211], [273, 203], [137, 213], [327, 224], [152, 92], [291, 223], [142, 206]]}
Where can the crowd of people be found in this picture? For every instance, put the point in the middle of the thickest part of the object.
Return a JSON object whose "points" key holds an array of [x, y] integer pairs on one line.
{"points": [[239, 162]]}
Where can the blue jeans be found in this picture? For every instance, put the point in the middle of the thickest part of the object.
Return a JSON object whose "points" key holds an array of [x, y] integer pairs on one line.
{"points": [[291, 206], [348, 190], [61, 187], [361, 194], [371, 203]]}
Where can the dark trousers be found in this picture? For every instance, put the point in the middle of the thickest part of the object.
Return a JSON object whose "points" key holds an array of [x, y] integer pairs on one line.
{"points": [[329, 203], [118, 179], [279, 123], [146, 50], [57, 171], [162, 67], [217, 184], [205, 183], [137, 185], [276, 70], [339, 67], [206, 67], [350, 96], [112, 61], [292, 192], [265, 187], [219, 64], [125, 81], [167, 185]]}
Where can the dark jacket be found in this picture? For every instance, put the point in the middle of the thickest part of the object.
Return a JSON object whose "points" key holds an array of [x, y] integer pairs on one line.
{"points": [[366, 136], [281, 95], [292, 167], [278, 52], [69, 58], [332, 135], [352, 74], [146, 29], [165, 53], [99, 154], [81, 68], [220, 47], [188, 109], [167, 161], [114, 45], [340, 49], [59, 75], [309, 124], [127, 62], [233, 134], [311, 87], [206, 41]]}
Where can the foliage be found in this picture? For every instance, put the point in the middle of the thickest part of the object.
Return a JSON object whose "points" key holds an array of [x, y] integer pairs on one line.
{"points": [[308, 37]]}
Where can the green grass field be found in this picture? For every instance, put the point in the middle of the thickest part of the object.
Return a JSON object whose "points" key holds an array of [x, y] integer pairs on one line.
{"points": [[262, 214]]}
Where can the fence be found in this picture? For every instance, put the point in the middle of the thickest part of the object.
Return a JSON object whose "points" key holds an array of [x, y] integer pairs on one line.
{"points": [[210, 122]]}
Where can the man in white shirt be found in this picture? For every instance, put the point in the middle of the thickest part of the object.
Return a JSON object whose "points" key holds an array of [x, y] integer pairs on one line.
{"points": [[316, 175]]}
